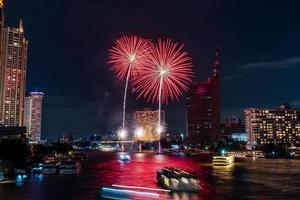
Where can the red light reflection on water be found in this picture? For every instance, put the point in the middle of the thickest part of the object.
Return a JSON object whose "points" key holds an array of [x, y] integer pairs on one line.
{"points": [[141, 171]]}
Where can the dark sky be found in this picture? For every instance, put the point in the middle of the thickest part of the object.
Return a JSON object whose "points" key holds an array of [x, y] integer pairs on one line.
{"points": [[68, 42]]}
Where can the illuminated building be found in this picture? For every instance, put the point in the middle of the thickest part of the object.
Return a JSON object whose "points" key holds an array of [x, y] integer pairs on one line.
{"points": [[1, 27], [277, 126], [203, 109], [1, 52], [13, 76], [234, 129], [148, 121], [239, 137], [33, 115]]}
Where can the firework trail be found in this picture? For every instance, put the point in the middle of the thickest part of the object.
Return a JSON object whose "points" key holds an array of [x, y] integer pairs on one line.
{"points": [[128, 56], [168, 73]]}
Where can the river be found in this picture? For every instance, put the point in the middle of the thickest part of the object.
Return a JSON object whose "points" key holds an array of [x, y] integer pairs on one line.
{"points": [[251, 179]]}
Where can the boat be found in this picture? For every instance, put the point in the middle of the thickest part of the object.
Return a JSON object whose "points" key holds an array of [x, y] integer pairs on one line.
{"points": [[37, 168], [177, 180], [222, 160], [2, 177], [125, 157], [69, 167], [51, 167], [259, 154], [129, 193]]}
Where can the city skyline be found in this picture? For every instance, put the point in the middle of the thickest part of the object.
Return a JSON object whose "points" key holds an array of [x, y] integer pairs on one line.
{"points": [[246, 60], [161, 99]]}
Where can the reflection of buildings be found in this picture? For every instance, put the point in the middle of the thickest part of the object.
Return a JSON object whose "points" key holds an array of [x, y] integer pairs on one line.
{"points": [[148, 121], [203, 109], [278, 126], [33, 115], [12, 74], [234, 129]]}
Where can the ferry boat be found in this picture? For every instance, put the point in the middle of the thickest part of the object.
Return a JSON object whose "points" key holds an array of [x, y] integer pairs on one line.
{"points": [[69, 167], [125, 157], [37, 168], [2, 177], [222, 160], [177, 180], [51, 167]]}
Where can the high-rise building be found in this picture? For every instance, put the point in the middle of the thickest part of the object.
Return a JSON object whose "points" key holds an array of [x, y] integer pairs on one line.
{"points": [[13, 76], [33, 115], [276, 126], [148, 121], [203, 109], [1, 26]]}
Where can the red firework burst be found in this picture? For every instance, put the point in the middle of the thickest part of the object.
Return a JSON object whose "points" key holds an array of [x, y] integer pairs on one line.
{"points": [[170, 68], [128, 54]]}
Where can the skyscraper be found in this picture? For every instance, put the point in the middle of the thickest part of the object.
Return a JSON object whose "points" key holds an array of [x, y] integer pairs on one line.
{"points": [[203, 109], [33, 115], [1, 25], [13, 76]]}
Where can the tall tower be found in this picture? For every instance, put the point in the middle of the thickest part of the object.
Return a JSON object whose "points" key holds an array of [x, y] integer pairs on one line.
{"points": [[217, 63], [13, 76], [1, 15], [203, 109], [1, 49], [215, 100], [33, 115]]}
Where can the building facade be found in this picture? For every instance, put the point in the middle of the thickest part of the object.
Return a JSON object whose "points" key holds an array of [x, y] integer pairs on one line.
{"points": [[147, 120], [276, 126], [13, 76], [203, 109], [234, 129], [33, 115], [1, 54], [1, 27]]}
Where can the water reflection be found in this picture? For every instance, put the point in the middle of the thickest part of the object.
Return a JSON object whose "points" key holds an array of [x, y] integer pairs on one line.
{"points": [[141, 171], [253, 179]]}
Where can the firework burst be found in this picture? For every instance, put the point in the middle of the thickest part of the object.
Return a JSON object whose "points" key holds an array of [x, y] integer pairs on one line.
{"points": [[167, 75], [128, 56]]}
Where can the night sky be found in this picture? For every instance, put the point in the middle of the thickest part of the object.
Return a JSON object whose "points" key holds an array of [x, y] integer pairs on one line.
{"points": [[68, 42]]}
